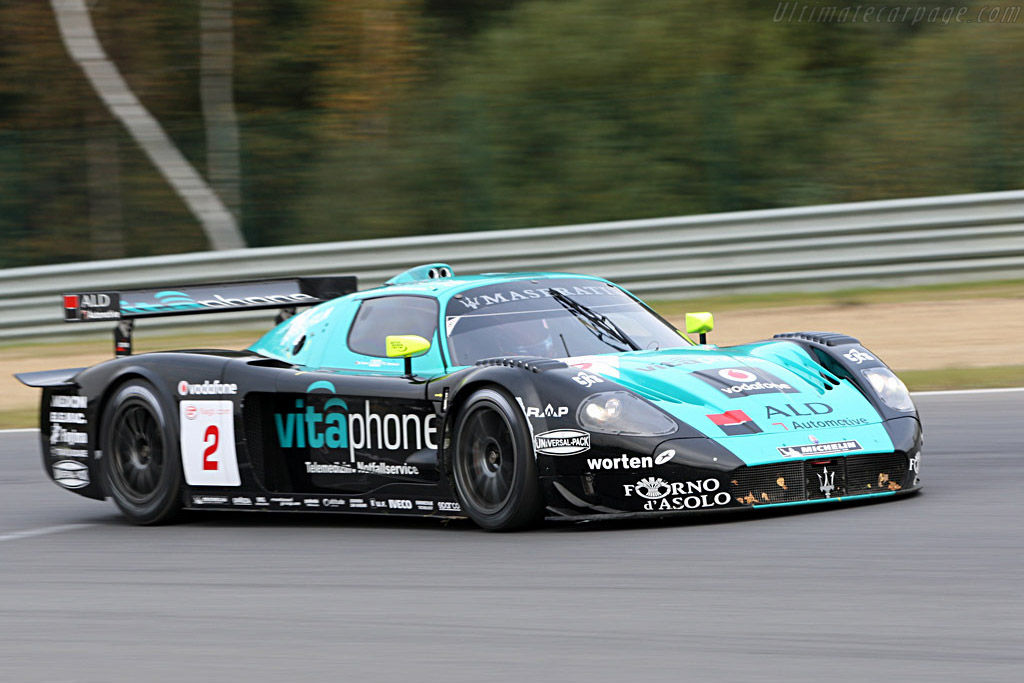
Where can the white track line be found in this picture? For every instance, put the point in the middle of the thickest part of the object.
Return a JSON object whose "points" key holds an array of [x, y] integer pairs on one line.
{"points": [[19, 431], [953, 392], [29, 533]]}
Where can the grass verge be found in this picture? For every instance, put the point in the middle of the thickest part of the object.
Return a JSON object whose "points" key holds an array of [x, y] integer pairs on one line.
{"points": [[19, 418], [143, 344], [964, 378], [1009, 289]]}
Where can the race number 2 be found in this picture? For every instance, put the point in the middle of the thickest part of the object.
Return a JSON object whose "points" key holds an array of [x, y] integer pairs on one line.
{"points": [[209, 461], [208, 443]]}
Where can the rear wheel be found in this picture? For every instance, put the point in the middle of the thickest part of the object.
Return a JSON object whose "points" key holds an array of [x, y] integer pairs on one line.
{"points": [[493, 465], [140, 455]]}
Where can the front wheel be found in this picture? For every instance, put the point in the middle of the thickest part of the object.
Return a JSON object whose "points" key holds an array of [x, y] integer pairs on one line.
{"points": [[493, 464], [140, 454]]}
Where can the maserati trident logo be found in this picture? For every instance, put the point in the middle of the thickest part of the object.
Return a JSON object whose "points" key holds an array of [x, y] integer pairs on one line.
{"points": [[827, 479]]}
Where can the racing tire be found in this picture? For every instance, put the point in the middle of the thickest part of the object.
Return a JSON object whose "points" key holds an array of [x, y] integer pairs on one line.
{"points": [[493, 465], [141, 467]]}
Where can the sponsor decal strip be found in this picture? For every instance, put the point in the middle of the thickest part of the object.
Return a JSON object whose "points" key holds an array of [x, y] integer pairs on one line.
{"points": [[207, 388], [819, 448], [737, 382], [510, 295], [548, 411], [92, 306], [325, 502], [370, 467], [631, 462], [351, 431], [735, 423], [562, 442], [690, 495], [71, 474], [208, 443]]}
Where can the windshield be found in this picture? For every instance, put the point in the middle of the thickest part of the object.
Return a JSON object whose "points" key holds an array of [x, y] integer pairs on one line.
{"points": [[523, 319]]}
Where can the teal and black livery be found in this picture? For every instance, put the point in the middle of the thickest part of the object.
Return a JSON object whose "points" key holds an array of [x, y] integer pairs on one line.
{"points": [[508, 398]]}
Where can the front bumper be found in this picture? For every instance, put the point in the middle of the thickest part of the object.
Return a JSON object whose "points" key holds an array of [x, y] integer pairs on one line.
{"points": [[567, 516], [702, 477]]}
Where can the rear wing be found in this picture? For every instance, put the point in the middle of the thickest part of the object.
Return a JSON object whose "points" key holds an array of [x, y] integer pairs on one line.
{"points": [[127, 306]]}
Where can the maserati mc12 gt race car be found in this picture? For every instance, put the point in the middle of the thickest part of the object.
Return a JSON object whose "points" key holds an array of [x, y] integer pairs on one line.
{"points": [[505, 398]]}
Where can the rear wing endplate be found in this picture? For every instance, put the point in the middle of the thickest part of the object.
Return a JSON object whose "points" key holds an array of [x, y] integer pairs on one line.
{"points": [[49, 378], [127, 306]]}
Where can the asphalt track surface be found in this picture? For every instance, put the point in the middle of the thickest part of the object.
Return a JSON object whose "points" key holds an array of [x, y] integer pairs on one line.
{"points": [[925, 588]]}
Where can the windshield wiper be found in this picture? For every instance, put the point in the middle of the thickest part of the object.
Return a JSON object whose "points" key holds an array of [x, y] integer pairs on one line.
{"points": [[602, 324]]}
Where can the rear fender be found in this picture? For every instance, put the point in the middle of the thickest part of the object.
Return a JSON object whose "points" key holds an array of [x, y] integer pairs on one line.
{"points": [[67, 431], [74, 403]]}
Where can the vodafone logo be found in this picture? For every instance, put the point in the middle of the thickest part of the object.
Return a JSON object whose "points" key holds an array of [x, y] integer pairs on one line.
{"points": [[207, 388], [737, 382], [737, 375], [191, 411]]}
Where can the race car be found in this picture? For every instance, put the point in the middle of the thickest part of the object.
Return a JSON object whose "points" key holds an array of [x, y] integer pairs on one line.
{"points": [[508, 398]]}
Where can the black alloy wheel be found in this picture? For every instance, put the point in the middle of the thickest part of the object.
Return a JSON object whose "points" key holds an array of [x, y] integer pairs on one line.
{"points": [[493, 465], [140, 454]]}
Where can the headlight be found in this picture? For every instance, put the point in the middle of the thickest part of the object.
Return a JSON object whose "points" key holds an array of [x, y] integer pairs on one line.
{"points": [[889, 388], [620, 412]]}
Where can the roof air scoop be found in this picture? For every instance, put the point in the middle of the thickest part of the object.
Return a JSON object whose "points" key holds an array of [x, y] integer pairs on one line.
{"points": [[431, 271]]}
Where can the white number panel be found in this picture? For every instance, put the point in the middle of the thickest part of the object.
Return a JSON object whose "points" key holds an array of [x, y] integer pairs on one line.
{"points": [[208, 443]]}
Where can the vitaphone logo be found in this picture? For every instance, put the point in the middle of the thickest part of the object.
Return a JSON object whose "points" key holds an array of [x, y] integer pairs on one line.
{"points": [[180, 301], [334, 427]]}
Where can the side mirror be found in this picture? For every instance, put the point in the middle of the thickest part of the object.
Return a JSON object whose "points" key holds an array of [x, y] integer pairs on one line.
{"points": [[700, 323], [406, 346]]}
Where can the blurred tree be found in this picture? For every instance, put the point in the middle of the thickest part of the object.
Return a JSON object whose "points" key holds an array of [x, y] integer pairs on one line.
{"points": [[940, 117], [216, 88], [74, 22], [369, 51], [585, 110], [43, 201], [373, 118], [459, 19]]}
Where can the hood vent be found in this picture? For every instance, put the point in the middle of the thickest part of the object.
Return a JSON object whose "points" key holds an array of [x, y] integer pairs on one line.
{"points": [[825, 338]]}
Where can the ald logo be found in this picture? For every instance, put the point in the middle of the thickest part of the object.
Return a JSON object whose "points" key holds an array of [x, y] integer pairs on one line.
{"points": [[330, 425]]}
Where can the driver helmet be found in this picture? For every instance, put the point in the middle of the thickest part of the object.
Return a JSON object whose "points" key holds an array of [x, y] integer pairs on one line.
{"points": [[530, 337]]}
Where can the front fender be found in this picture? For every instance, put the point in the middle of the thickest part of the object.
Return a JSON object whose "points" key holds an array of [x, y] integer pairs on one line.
{"points": [[845, 357], [549, 394]]}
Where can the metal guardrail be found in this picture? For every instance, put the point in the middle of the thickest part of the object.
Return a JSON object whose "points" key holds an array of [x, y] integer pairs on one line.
{"points": [[956, 238]]}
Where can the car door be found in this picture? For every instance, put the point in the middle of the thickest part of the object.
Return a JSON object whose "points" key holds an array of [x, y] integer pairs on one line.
{"points": [[358, 423]]}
